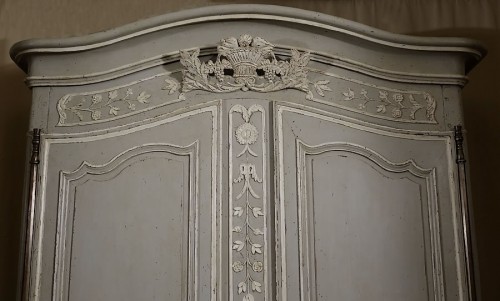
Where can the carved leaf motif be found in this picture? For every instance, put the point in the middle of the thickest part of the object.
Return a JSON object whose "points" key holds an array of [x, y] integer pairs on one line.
{"points": [[295, 55], [171, 85], [364, 93], [321, 86], [349, 95], [257, 211], [258, 232], [237, 211], [256, 286], [248, 297], [242, 287], [192, 63], [113, 94], [114, 110], [143, 97], [256, 248], [78, 114], [381, 109], [237, 229], [431, 107], [245, 113], [238, 245], [309, 95], [415, 106], [383, 96]]}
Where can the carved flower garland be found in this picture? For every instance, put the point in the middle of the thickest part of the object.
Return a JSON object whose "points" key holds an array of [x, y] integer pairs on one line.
{"points": [[110, 104], [104, 103], [248, 212], [394, 103]]}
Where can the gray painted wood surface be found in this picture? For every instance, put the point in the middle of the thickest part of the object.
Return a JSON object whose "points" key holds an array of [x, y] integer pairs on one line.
{"points": [[303, 157]]}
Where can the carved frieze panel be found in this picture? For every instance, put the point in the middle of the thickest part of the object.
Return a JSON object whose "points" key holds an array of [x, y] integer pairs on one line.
{"points": [[117, 102], [247, 190], [249, 64], [377, 101]]}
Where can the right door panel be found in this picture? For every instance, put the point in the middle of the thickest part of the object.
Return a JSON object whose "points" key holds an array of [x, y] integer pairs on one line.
{"points": [[362, 213]]}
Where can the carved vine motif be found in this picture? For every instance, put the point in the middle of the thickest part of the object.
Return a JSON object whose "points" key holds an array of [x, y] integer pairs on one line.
{"points": [[395, 105], [248, 210], [248, 63], [109, 104]]}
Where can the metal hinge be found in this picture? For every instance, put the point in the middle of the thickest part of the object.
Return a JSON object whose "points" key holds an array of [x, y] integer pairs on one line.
{"points": [[464, 204], [28, 239]]}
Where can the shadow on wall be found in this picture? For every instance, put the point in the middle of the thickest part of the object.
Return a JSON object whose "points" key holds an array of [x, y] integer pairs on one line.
{"points": [[14, 118], [482, 117], [481, 104]]}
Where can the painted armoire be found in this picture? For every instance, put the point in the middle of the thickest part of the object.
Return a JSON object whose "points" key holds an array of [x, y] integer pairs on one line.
{"points": [[249, 153]]}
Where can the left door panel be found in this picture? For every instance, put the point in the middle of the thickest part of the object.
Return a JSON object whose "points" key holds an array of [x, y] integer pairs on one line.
{"points": [[128, 214]]}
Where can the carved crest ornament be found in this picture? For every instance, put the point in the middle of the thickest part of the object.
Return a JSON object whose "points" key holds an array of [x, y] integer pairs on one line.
{"points": [[246, 63]]}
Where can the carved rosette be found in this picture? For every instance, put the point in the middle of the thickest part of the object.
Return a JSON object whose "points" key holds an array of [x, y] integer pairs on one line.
{"points": [[247, 204]]}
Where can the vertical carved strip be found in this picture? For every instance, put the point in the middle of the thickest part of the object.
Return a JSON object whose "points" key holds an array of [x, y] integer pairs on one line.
{"points": [[28, 240], [464, 203], [247, 190]]}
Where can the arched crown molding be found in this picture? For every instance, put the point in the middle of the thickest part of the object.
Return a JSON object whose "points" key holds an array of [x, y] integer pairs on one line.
{"points": [[472, 51]]}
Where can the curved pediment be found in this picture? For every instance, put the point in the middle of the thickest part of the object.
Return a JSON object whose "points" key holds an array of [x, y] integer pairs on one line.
{"points": [[330, 40]]}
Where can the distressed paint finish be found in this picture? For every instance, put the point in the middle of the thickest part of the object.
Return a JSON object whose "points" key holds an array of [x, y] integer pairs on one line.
{"points": [[247, 205], [289, 156]]}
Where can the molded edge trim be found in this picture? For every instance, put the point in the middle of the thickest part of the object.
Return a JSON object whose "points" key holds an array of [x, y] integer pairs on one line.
{"points": [[348, 64], [21, 50]]}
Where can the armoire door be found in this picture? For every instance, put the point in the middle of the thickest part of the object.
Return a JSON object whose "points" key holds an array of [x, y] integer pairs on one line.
{"points": [[127, 213], [362, 212]]}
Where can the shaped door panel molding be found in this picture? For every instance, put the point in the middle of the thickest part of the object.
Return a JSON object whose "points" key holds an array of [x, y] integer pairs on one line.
{"points": [[362, 213], [384, 216], [125, 209], [140, 194]]}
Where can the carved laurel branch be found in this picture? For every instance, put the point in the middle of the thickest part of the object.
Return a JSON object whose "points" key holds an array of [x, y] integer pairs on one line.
{"points": [[247, 218], [248, 63], [393, 104], [109, 104]]}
